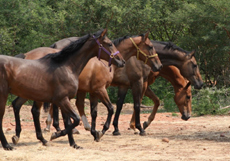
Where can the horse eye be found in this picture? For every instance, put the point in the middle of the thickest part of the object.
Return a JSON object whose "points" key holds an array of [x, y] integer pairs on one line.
{"points": [[188, 97], [194, 65], [110, 44]]}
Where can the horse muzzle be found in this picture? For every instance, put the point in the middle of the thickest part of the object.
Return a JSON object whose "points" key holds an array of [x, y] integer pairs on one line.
{"points": [[185, 117]]}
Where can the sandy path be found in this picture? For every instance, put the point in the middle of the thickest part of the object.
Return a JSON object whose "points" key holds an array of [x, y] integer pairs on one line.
{"points": [[199, 139]]}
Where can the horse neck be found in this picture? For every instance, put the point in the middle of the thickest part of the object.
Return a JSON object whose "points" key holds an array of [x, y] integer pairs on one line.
{"points": [[78, 61], [170, 56], [173, 76]]}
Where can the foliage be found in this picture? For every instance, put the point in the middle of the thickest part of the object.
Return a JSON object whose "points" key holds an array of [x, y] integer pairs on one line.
{"points": [[210, 101], [202, 25]]}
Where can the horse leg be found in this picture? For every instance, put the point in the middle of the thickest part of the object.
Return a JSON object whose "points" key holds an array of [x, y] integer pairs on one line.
{"points": [[17, 104], [80, 106], [3, 140], [53, 113], [149, 93], [103, 96], [56, 117], [36, 117], [136, 91], [93, 111], [132, 122], [69, 112], [120, 100], [49, 119], [67, 122]]}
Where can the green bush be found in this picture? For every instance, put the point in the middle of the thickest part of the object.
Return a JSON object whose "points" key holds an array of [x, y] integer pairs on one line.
{"points": [[210, 101]]}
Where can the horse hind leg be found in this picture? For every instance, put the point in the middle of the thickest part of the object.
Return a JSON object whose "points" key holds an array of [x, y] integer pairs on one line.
{"points": [[17, 104], [80, 106], [3, 140], [36, 117], [68, 112]]}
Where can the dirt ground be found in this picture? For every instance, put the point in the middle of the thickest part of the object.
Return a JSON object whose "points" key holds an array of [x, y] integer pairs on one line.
{"points": [[205, 138]]}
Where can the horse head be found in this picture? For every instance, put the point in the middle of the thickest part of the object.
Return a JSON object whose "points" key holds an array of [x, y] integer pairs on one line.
{"points": [[191, 71], [147, 53], [107, 50]]}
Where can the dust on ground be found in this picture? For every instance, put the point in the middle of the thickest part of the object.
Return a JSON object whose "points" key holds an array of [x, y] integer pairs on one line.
{"points": [[205, 138]]}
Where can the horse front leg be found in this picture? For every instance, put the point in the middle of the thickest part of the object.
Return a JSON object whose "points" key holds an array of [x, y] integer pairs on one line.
{"points": [[103, 96], [136, 91], [149, 93], [120, 101], [36, 117], [132, 121], [17, 104], [68, 112], [93, 110]]}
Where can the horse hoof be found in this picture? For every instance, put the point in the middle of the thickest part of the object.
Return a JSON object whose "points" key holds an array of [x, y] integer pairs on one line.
{"points": [[135, 132], [87, 128], [46, 130], [99, 134], [142, 133], [15, 139], [75, 131], [145, 125], [8, 147], [53, 136], [75, 146], [115, 133], [46, 143]]}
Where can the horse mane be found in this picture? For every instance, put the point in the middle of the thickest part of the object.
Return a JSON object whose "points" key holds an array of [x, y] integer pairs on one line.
{"points": [[71, 49], [21, 55], [171, 45], [119, 40]]}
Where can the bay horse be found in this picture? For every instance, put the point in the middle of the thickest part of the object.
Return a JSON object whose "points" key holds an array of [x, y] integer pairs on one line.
{"points": [[95, 78], [135, 75], [169, 54], [53, 78], [182, 90]]}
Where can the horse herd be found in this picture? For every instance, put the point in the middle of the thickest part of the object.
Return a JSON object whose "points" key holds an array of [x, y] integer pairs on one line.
{"points": [[70, 68]]}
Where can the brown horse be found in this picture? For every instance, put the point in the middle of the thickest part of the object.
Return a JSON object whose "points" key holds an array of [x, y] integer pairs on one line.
{"points": [[182, 90], [53, 78], [135, 74], [95, 78]]}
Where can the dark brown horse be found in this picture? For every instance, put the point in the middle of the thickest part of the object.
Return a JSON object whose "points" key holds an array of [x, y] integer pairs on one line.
{"points": [[53, 78], [95, 78], [135, 75], [169, 54]]}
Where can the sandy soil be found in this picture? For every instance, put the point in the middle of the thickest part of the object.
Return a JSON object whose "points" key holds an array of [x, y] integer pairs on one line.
{"points": [[205, 138]]}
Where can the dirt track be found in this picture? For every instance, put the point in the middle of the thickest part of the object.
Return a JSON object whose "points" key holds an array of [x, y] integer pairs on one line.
{"points": [[199, 139]]}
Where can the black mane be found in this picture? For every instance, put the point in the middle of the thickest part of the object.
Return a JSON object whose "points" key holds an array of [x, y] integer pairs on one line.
{"points": [[119, 40], [170, 45], [71, 49]]}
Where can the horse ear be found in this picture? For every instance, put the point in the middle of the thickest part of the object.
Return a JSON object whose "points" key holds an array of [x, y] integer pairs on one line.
{"points": [[146, 36], [192, 54], [187, 85], [103, 33]]}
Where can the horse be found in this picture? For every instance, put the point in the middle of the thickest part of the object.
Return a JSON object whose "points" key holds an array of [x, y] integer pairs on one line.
{"points": [[53, 78], [182, 90], [135, 74], [96, 77], [169, 54]]}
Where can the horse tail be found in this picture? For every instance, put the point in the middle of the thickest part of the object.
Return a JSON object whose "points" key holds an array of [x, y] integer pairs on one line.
{"points": [[46, 106], [21, 55]]}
